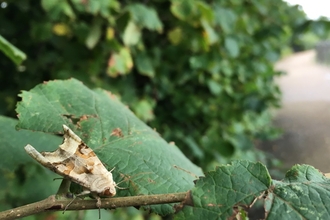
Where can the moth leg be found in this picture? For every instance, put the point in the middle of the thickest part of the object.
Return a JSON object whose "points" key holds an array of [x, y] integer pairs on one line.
{"points": [[85, 192], [68, 204], [98, 199], [98, 202]]}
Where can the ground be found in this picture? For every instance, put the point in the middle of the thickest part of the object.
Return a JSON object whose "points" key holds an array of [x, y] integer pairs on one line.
{"points": [[305, 113]]}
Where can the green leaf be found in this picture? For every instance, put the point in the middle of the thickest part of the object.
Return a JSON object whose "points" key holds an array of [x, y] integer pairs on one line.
{"points": [[67, 9], [132, 34], [151, 164], [206, 11], [199, 62], [236, 184], [94, 34], [175, 36], [22, 179], [193, 147], [212, 36], [120, 63], [232, 47], [144, 110], [49, 4], [146, 17], [215, 140], [226, 18], [55, 8], [184, 9], [12, 143], [94, 6], [214, 87], [16, 55], [303, 194], [144, 65]]}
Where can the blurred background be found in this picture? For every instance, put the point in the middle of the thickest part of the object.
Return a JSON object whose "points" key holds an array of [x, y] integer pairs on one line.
{"points": [[305, 86], [224, 80]]}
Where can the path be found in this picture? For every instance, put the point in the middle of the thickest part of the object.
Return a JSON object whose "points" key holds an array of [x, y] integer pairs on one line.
{"points": [[305, 114]]}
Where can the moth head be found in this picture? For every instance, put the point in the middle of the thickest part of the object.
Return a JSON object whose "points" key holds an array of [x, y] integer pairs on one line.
{"points": [[109, 191]]}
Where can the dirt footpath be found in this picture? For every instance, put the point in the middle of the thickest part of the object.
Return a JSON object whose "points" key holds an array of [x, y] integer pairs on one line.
{"points": [[305, 113]]}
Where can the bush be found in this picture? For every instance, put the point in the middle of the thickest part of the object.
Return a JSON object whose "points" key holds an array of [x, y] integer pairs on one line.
{"points": [[201, 73]]}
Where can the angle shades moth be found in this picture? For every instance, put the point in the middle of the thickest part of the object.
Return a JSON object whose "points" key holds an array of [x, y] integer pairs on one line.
{"points": [[74, 160]]}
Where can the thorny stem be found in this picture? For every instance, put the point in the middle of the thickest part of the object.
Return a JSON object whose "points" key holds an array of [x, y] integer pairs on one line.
{"points": [[53, 204]]}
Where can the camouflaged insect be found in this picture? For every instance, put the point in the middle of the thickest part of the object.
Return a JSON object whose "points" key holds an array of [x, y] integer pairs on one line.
{"points": [[76, 161]]}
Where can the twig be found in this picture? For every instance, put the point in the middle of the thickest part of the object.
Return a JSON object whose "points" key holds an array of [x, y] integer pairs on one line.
{"points": [[52, 204]]}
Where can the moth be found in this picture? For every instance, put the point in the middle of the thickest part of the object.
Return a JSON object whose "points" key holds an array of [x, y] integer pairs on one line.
{"points": [[76, 161]]}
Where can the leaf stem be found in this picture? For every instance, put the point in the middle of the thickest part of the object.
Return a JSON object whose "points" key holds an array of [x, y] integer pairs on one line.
{"points": [[52, 204]]}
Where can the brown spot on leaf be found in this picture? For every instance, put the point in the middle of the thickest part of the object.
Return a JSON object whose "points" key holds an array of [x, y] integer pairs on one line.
{"points": [[271, 188], [214, 205], [117, 132], [151, 181], [83, 117], [111, 95]]}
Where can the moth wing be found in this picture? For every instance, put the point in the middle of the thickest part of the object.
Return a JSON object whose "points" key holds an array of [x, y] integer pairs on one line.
{"points": [[92, 171], [38, 156], [76, 161]]}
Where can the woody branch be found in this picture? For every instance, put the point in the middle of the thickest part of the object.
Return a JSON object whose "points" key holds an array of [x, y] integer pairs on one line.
{"points": [[53, 204]]}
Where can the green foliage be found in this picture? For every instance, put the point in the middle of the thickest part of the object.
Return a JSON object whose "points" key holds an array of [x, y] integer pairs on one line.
{"points": [[302, 194], [146, 162], [308, 33], [11, 51], [201, 73], [225, 192], [119, 138], [237, 184], [22, 179]]}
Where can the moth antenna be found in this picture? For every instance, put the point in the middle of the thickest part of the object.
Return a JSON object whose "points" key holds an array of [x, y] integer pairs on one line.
{"points": [[128, 178], [118, 187], [58, 178], [119, 182]]}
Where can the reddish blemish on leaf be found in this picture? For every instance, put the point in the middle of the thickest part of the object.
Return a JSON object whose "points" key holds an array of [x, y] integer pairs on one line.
{"points": [[83, 117], [117, 132]]}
